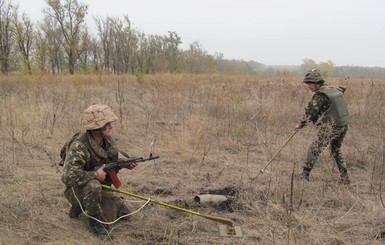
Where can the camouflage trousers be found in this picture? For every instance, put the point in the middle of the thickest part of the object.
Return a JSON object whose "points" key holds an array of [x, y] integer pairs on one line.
{"points": [[328, 135], [97, 202]]}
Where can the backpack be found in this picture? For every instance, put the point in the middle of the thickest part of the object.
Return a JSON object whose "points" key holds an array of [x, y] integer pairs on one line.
{"points": [[66, 147]]}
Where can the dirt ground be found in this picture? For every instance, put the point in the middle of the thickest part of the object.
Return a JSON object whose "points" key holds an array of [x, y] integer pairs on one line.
{"points": [[272, 207]]}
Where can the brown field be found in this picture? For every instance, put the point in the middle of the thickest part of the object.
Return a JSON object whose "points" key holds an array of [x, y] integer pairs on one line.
{"points": [[213, 132]]}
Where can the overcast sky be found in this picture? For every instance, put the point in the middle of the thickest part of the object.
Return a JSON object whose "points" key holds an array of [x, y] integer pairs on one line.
{"points": [[273, 32]]}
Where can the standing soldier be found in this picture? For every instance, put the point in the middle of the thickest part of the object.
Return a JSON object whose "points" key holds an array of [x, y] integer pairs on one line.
{"points": [[328, 111], [89, 151]]}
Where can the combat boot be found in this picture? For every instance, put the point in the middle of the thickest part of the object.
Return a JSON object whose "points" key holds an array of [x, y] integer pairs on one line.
{"points": [[305, 174], [75, 211], [98, 229]]}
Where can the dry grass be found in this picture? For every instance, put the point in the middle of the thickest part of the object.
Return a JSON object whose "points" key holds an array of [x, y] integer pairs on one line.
{"points": [[212, 132]]}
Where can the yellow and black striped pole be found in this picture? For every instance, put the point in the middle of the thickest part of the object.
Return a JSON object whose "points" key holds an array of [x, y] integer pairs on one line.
{"points": [[149, 199]]}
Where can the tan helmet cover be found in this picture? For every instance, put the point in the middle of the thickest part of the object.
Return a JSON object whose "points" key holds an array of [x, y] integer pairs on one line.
{"points": [[96, 116]]}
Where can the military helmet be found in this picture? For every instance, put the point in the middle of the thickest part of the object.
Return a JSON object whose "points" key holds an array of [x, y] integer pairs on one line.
{"points": [[96, 116], [313, 76]]}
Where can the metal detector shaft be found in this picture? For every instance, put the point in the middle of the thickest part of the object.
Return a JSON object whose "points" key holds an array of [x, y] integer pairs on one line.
{"points": [[210, 217], [291, 136]]}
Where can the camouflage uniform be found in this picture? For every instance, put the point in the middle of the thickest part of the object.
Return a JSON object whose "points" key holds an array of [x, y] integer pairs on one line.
{"points": [[326, 133], [83, 157], [328, 111]]}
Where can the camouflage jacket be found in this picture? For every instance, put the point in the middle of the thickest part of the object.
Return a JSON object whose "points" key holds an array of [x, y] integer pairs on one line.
{"points": [[84, 155], [315, 109]]}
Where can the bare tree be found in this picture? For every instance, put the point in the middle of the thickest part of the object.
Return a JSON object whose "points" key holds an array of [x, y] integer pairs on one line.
{"points": [[308, 64], [40, 50], [156, 58], [24, 38], [7, 10], [129, 39], [70, 17], [96, 53], [327, 68], [124, 45], [50, 46], [143, 54], [87, 58], [172, 42], [104, 33], [119, 42]]}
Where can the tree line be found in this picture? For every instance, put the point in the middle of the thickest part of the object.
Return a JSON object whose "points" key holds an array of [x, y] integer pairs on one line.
{"points": [[328, 68], [62, 43]]}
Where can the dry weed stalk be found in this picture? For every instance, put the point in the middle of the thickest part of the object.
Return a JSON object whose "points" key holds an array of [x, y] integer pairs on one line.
{"points": [[382, 165], [119, 96], [226, 125], [292, 189]]}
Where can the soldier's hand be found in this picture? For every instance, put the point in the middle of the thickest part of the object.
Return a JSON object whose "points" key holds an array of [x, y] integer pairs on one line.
{"points": [[101, 173]]}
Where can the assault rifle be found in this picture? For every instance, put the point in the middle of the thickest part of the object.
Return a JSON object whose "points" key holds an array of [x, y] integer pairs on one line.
{"points": [[112, 168]]}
